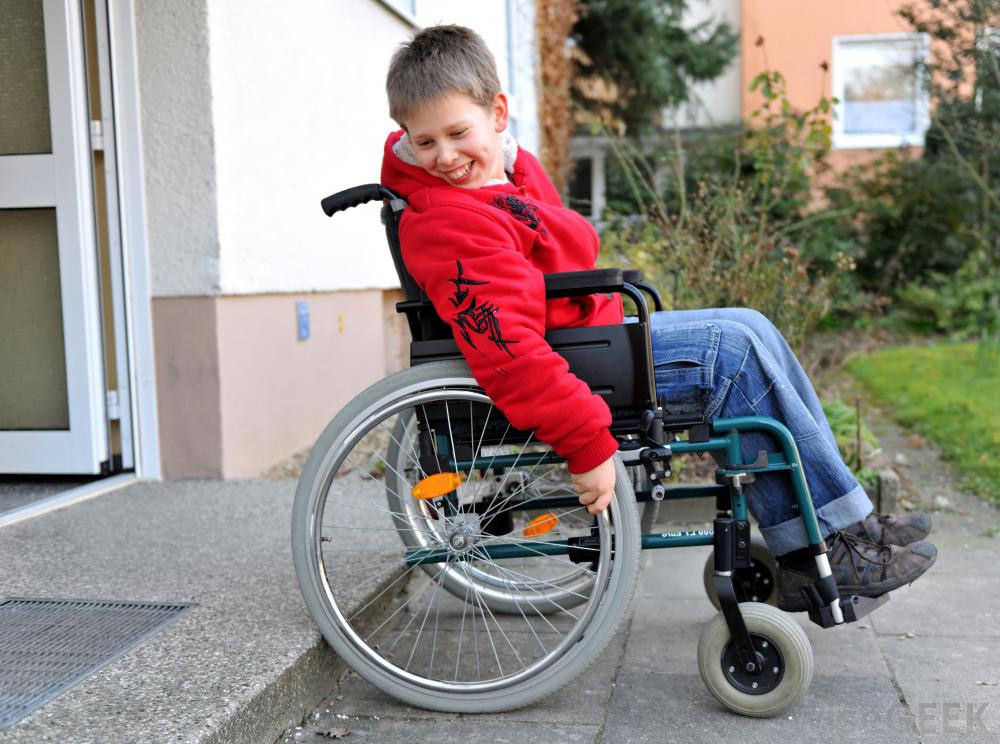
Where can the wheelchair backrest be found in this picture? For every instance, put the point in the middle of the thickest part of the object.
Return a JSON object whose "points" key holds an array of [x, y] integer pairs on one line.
{"points": [[612, 360]]}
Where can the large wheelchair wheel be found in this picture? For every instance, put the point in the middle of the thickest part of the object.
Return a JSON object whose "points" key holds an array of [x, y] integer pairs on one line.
{"points": [[787, 670], [559, 587], [431, 637]]}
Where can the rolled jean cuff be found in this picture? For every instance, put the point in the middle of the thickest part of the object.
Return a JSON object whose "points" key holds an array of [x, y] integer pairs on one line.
{"points": [[791, 535]]}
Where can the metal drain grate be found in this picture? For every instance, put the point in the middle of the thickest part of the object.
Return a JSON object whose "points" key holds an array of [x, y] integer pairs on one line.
{"points": [[48, 645]]}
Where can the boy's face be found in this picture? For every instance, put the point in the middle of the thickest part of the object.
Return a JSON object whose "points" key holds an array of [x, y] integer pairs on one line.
{"points": [[458, 140]]}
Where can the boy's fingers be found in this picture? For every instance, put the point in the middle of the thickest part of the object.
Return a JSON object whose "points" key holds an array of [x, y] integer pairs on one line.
{"points": [[600, 504]]}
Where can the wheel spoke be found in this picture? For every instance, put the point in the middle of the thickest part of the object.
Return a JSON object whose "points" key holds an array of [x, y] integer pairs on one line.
{"points": [[416, 641], [528, 622], [546, 583], [486, 627]]}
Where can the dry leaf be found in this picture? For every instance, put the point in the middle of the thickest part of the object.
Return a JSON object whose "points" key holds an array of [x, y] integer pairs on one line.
{"points": [[336, 733]]}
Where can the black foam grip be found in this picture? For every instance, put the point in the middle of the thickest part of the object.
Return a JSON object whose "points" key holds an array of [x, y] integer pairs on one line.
{"points": [[352, 197]]}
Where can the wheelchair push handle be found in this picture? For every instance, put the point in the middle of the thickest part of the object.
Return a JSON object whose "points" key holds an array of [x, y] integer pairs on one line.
{"points": [[355, 197]]}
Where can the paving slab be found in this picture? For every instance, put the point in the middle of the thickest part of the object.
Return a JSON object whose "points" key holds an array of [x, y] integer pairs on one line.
{"points": [[952, 685], [583, 701], [406, 731], [957, 596], [653, 708]]}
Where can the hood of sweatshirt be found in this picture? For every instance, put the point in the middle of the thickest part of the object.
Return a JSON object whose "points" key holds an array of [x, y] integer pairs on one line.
{"points": [[413, 183]]}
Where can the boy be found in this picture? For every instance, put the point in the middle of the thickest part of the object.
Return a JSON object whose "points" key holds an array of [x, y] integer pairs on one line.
{"points": [[485, 224]]}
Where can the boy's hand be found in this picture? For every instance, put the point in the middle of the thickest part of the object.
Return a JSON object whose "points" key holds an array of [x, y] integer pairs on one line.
{"points": [[595, 487]]}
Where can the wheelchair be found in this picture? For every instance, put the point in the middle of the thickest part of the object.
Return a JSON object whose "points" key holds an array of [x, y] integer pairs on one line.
{"points": [[444, 554]]}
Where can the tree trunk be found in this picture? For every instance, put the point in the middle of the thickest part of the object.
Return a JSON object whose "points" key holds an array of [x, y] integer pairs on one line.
{"points": [[554, 21]]}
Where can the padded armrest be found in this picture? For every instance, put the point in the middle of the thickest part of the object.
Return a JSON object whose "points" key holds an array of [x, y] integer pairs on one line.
{"points": [[577, 283], [562, 284]]}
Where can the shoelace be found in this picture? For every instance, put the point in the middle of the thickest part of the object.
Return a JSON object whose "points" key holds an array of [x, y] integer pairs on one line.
{"points": [[856, 544]]}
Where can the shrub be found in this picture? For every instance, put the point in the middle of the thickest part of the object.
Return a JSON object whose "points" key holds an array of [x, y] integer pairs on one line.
{"points": [[959, 305], [722, 230], [912, 218], [721, 255]]}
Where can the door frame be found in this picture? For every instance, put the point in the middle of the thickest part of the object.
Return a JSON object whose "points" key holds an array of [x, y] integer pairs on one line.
{"points": [[125, 110], [61, 180], [135, 245]]}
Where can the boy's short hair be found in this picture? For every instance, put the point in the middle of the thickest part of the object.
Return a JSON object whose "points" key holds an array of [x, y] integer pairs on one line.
{"points": [[437, 61]]}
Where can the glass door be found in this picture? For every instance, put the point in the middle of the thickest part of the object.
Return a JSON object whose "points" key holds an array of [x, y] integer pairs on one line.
{"points": [[52, 402]]}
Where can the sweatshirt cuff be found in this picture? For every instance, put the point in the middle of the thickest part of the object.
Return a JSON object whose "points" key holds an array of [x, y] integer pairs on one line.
{"points": [[593, 453]]}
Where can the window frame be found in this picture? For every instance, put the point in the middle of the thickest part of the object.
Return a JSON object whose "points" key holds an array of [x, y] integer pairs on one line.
{"points": [[846, 140]]}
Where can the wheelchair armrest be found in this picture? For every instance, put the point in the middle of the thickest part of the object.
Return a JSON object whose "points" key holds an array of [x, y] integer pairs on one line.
{"points": [[576, 283], [632, 276], [561, 284]]}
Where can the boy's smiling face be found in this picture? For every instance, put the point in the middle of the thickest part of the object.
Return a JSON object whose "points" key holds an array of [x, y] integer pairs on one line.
{"points": [[458, 140]]}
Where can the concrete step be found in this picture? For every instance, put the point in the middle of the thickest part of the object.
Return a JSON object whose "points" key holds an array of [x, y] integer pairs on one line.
{"points": [[243, 666]]}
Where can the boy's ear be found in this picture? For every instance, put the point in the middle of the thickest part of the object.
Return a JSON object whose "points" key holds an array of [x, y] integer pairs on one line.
{"points": [[501, 111]]}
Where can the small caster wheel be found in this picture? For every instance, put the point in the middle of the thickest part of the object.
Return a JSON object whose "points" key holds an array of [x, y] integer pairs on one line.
{"points": [[759, 583], [787, 669]]}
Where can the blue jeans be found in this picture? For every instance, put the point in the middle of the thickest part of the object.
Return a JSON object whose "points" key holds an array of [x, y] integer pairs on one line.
{"points": [[734, 362]]}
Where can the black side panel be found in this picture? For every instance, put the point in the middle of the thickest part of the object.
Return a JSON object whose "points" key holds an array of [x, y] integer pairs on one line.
{"points": [[609, 359]]}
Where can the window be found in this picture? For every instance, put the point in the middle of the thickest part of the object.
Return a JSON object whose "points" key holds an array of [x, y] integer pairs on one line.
{"points": [[882, 102], [987, 73], [405, 9]]}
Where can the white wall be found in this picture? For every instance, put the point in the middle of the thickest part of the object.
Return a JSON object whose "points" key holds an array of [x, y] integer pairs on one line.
{"points": [[716, 102], [172, 45], [299, 112]]}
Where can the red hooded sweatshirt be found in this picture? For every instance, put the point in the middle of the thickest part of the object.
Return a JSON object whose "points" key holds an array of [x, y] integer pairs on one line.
{"points": [[480, 255]]}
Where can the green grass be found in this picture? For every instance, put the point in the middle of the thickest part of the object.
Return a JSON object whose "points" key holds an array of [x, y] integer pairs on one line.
{"points": [[950, 393]]}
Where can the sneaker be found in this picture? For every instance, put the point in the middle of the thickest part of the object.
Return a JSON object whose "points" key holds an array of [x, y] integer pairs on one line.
{"points": [[892, 529], [859, 567]]}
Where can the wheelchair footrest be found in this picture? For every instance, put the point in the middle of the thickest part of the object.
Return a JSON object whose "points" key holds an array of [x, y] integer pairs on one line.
{"points": [[853, 607]]}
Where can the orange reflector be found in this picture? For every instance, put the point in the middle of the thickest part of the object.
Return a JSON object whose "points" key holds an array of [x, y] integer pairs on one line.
{"points": [[541, 525], [436, 485]]}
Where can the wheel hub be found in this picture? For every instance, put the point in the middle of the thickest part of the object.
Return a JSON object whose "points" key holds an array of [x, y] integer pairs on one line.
{"points": [[750, 681], [463, 534], [756, 582]]}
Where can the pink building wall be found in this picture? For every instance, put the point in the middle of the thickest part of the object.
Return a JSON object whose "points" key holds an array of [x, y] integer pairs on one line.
{"points": [[798, 39]]}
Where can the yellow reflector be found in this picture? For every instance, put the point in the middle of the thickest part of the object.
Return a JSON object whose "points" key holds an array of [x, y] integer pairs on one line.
{"points": [[541, 525], [436, 485]]}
